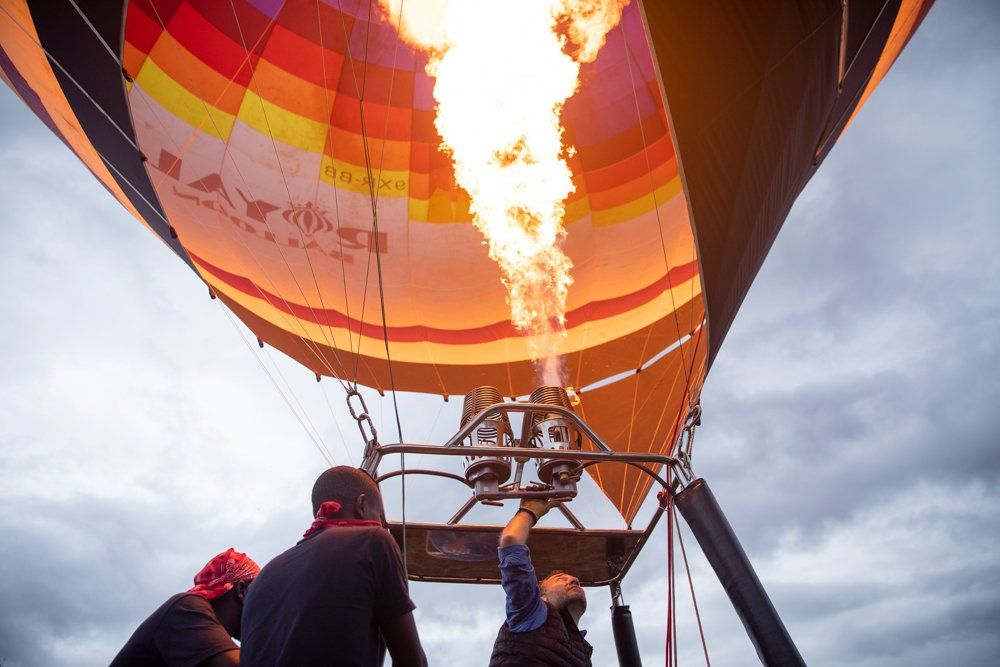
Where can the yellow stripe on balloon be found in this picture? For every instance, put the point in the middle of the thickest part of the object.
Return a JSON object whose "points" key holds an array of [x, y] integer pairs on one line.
{"points": [[625, 212], [355, 178], [180, 102], [285, 126]]}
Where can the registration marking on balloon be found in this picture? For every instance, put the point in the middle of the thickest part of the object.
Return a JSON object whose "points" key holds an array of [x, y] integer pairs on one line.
{"points": [[306, 225], [503, 71]]}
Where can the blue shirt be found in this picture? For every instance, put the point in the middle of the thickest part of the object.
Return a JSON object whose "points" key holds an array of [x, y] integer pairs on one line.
{"points": [[525, 609]]}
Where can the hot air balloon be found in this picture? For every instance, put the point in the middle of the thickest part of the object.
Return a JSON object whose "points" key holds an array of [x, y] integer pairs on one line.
{"points": [[288, 151]]}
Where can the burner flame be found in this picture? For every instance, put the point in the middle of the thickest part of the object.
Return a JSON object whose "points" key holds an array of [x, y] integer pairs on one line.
{"points": [[503, 71]]}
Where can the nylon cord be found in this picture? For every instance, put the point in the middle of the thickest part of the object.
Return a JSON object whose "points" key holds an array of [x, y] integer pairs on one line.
{"points": [[307, 341], [328, 108], [288, 192], [694, 600], [652, 188], [321, 445], [232, 321], [381, 299]]}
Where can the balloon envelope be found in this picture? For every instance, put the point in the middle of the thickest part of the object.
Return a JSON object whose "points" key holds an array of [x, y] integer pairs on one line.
{"points": [[256, 138]]}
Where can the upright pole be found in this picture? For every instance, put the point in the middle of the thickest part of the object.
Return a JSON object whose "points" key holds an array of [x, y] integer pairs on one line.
{"points": [[623, 630], [701, 510]]}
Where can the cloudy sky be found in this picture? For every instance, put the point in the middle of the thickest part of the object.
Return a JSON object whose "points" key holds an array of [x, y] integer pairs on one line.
{"points": [[851, 424]]}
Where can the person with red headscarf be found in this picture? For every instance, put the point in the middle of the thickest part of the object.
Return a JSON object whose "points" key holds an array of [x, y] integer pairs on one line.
{"points": [[195, 628]]}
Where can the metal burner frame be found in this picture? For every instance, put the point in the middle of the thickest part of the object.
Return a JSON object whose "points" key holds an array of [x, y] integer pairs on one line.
{"points": [[648, 464]]}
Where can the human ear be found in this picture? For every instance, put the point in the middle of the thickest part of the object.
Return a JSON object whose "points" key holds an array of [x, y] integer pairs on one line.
{"points": [[360, 505]]}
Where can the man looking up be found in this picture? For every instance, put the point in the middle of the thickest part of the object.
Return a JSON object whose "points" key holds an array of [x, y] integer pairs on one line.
{"points": [[336, 595], [194, 628], [541, 626]]}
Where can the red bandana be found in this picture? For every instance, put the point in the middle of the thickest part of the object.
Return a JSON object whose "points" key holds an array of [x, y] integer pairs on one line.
{"points": [[222, 572], [325, 518]]}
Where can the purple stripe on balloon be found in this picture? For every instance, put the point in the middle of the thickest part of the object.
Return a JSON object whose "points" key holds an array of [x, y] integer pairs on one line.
{"points": [[379, 45], [614, 95], [635, 34], [423, 91], [268, 8], [356, 8], [28, 94]]}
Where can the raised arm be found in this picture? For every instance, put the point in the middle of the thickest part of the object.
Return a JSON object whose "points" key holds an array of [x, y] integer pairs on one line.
{"points": [[525, 609], [517, 529]]}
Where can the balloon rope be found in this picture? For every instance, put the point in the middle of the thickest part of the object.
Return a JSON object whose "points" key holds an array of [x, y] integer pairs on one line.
{"points": [[373, 194], [694, 600], [336, 423], [659, 223], [123, 178], [309, 344], [673, 597], [305, 413], [360, 94], [669, 648], [281, 170], [83, 90], [676, 423], [652, 192], [381, 299], [328, 108], [322, 450]]}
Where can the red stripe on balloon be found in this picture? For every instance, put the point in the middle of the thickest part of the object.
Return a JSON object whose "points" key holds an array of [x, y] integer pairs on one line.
{"points": [[595, 310]]}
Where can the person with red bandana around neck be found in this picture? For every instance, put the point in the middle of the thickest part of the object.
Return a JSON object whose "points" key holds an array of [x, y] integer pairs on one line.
{"points": [[541, 626], [339, 596], [194, 628]]}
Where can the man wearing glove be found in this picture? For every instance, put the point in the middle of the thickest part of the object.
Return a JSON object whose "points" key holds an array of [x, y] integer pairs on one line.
{"points": [[541, 626]]}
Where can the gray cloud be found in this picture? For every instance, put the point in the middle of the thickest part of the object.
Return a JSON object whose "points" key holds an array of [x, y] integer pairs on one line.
{"points": [[850, 427]]}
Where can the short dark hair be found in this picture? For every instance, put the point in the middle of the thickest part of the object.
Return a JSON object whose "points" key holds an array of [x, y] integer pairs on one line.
{"points": [[553, 573], [344, 484]]}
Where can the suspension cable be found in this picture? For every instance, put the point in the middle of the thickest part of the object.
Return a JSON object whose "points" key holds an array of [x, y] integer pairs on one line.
{"points": [[305, 413], [305, 246], [320, 444], [322, 450], [328, 110], [336, 423], [373, 195], [311, 346], [652, 189], [666, 501], [381, 291], [694, 600]]}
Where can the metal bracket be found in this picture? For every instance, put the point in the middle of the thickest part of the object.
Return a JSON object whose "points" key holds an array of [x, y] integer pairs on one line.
{"points": [[616, 593], [685, 442], [365, 424]]}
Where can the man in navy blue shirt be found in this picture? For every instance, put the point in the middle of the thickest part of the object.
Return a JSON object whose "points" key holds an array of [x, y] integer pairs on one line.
{"points": [[339, 596], [541, 626]]}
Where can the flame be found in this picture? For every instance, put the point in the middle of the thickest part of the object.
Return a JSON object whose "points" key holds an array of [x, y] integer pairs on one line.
{"points": [[503, 71]]}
